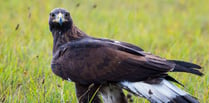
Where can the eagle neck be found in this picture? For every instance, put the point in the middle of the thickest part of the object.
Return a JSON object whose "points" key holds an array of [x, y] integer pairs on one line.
{"points": [[63, 37]]}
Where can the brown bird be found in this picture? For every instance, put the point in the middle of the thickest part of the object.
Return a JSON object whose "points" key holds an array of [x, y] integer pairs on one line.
{"points": [[109, 66]]}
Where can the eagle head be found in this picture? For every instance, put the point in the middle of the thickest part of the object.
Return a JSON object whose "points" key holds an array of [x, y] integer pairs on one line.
{"points": [[60, 20]]}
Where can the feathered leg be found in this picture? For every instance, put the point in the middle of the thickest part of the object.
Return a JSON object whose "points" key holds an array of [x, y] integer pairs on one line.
{"points": [[85, 93], [112, 93]]}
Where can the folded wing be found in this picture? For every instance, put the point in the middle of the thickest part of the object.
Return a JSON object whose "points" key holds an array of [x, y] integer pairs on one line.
{"points": [[95, 60]]}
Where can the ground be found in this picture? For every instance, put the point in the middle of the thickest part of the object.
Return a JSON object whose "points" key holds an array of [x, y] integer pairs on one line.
{"points": [[174, 29]]}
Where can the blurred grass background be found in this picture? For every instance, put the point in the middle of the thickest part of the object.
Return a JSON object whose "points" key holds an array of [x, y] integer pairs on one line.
{"points": [[174, 29]]}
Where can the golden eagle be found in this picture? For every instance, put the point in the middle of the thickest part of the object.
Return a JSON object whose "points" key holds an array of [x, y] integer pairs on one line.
{"points": [[112, 66]]}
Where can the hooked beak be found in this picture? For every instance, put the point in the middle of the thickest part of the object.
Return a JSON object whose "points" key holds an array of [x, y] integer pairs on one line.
{"points": [[59, 18]]}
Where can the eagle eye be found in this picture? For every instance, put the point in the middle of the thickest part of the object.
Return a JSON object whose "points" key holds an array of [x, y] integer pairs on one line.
{"points": [[66, 14], [52, 15]]}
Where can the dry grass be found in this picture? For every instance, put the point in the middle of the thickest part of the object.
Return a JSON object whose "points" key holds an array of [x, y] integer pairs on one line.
{"points": [[175, 29]]}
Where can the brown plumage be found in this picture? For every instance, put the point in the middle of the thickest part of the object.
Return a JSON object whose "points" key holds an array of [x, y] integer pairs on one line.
{"points": [[86, 60]]}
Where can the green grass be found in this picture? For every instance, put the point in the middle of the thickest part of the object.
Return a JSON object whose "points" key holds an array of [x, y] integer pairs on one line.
{"points": [[174, 29]]}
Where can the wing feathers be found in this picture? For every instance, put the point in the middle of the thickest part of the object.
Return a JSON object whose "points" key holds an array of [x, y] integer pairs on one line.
{"points": [[94, 43], [113, 61], [159, 63], [182, 66], [121, 43], [186, 64]]}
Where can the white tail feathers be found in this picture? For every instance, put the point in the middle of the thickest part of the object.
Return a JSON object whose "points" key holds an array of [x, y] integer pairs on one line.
{"points": [[163, 92]]}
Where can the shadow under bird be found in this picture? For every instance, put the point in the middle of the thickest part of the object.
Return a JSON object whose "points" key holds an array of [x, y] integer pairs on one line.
{"points": [[104, 67]]}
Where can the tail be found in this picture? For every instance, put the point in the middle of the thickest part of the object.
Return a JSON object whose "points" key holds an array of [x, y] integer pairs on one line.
{"points": [[182, 66], [162, 92]]}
